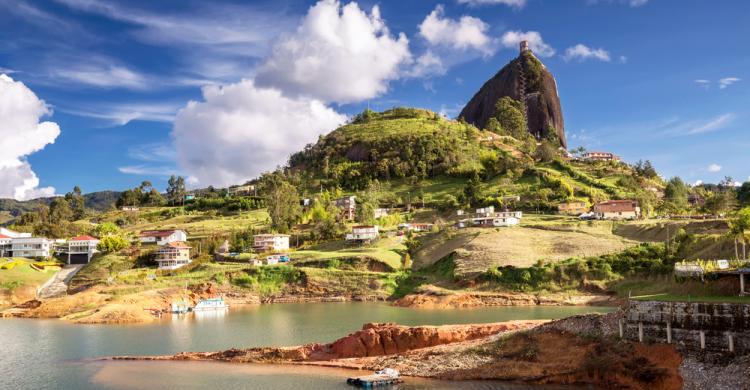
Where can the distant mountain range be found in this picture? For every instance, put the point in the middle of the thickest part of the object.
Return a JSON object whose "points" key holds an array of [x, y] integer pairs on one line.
{"points": [[96, 201]]}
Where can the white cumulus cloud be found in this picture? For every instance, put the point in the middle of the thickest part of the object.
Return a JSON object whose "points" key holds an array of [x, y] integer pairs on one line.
{"points": [[338, 53], [240, 130], [510, 3], [714, 168], [21, 134], [582, 52], [727, 81], [511, 39], [465, 33]]}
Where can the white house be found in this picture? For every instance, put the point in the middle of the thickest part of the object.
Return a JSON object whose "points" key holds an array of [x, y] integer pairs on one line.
{"points": [[600, 156], [495, 221], [507, 214], [162, 237], [271, 242], [32, 247], [173, 255], [79, 249], [246, 189], [130, 208], [13, 234], [363, 233]]}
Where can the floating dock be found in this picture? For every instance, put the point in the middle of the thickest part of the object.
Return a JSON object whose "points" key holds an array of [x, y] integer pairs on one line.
{"points": [[376, 380]]}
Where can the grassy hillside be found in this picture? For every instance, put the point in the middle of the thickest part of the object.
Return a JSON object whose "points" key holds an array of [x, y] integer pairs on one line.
{"points": [[417, 156], [477, 250]]}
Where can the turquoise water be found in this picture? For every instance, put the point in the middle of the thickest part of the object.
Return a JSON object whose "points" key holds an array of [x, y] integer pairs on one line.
{"points": [[53, 354]]}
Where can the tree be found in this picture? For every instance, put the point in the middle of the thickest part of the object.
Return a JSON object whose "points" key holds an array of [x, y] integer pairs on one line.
{"points": [[283, 202], [676, 195], [743, 194], [472, 189], [175, 189], [510, 114], [59, 211], [105, 229], [154, 198], [547, 152], [76, 202], [645, 169], [367, 202], [737, 228], [112, 243]]}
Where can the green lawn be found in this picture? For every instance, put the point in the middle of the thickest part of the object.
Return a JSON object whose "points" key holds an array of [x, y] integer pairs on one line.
{"points": [[22, 275], [200, 224], [386, 250]]}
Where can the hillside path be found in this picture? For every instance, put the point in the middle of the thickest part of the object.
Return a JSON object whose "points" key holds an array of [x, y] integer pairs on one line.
{"points": [[58, 284]]}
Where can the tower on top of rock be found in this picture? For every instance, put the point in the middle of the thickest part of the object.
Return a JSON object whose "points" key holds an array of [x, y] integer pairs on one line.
{"points": [[524, 46]]}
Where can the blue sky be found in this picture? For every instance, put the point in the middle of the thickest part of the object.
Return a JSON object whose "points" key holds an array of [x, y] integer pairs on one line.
{"points": [[660, 80]]}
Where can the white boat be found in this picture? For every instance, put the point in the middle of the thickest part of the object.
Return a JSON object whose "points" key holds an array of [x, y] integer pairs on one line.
{"points": [[211, 304]]}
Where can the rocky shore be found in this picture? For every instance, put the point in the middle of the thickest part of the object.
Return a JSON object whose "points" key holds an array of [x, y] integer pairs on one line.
{"points": [[479, 299], [574, 351]]}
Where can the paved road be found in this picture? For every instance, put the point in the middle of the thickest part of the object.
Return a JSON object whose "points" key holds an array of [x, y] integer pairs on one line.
{"points": [[58, 284]]}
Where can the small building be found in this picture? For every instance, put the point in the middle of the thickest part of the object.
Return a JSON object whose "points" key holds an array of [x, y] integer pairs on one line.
{"points": [[79, 250], [162, 237], [32, 247], [242, 190], [13, 234], [572, 208], [363, 233], [271, 242], [188, 197], [256, 262], [600, 156], [380, 213], [508, 214], [347, 206], [421, 227], [617, 209], [486, 210], [130, 208], [173, 255], [495, 221], [6, 246]]}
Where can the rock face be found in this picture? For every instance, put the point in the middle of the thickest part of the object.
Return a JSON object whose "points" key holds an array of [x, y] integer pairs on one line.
{"points": [[374, 339], [524, 78]]}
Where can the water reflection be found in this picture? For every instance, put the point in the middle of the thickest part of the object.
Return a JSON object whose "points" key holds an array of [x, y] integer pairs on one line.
{"points": [[36, 354], [199, 375]]}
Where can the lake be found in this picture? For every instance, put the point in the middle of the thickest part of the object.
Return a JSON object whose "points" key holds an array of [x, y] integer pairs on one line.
{"points": [[53, 354]]}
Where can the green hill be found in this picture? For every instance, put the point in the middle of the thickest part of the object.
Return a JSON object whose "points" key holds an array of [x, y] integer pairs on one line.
{"points": [[416, 155]]}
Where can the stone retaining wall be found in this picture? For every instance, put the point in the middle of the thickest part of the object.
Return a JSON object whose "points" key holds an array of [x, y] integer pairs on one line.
{"points": [[690, 325]]}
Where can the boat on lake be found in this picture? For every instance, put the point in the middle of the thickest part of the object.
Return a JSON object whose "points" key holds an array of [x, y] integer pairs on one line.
{"points": [[211, 304]]}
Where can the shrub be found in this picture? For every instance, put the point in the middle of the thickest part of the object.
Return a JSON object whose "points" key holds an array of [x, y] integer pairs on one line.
{"points": [[112, 243]]}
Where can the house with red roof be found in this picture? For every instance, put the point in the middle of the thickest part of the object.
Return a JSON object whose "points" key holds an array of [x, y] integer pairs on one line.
{"points": [[80, 249], [173, 255], [617, 209], [162, 237]]}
